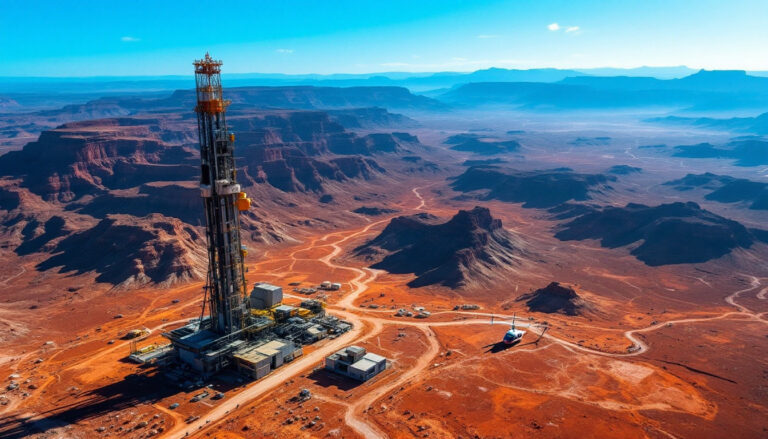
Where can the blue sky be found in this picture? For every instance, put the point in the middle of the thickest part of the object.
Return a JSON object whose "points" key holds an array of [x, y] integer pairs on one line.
{"points": [[137, 37]]}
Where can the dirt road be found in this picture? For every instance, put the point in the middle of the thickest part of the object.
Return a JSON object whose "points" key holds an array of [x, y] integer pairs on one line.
{"points": [[354, 416]]}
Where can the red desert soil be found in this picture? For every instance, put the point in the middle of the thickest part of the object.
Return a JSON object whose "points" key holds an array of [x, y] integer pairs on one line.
{"points": [[657, 358]]}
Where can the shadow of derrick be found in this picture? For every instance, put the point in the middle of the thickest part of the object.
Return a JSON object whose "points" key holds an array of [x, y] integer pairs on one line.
{"points": [[130, 392]]}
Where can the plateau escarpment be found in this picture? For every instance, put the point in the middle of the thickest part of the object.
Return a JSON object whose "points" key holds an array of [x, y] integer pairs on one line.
{"points": [[99, 180], [371, 118], [300, 151], [726, 189], [544, 188], [675, 233], [311, 97], [470, 248], [624, 170], [748, 152], [481, 145], [84, 159]]}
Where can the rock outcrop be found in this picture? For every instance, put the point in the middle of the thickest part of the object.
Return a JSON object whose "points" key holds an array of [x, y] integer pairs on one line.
{"points": [[748, 152], [624, 170], [556, 298], [128, 253], [481, 145], [300, 151], [472, 247], [675, 233], [726, 189], [532, 188], [120, 196], [373, 211], [81, 159]]}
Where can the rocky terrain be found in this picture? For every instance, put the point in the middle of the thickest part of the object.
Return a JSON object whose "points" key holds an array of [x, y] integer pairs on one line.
{"points": [[556, 298], [101, 218], [299, 151], [133, 179], [373, 211], [591, 141], [624, 170], [359, 107], [725, 189], [748, 152], [754, 125], [88, 158], [472, 247], [487, 146], [128, 253], [675, 233], [481, 145], [545, 188]]}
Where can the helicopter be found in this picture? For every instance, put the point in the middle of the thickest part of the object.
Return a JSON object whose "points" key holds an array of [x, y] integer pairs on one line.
{"points": [[513, 335]]}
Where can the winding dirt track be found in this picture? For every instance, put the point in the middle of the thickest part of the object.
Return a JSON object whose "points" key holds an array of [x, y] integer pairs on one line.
{"points": [[364, 276]]}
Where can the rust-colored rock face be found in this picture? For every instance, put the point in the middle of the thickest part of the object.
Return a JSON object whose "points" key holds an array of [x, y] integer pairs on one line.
{"points": [[97, 180], [643, 304], [89, 158], [469, 249], [129, 254]]}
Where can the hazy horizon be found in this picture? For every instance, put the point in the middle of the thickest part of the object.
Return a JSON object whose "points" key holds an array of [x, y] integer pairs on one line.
{"points": [[596, 71]]}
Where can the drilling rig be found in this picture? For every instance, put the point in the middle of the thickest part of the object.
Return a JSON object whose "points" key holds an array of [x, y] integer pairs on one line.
{"points": [[206, 343], [255, 333], [223, 201]]}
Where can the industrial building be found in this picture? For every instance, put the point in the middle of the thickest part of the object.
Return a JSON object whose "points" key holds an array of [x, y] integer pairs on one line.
{"points": [[330, 286], [258, 361], [253, 364], [355, 362], [254, 333], [265, 296]]}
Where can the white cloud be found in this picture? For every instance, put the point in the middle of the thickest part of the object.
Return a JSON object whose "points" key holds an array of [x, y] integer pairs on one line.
{"points": [[554, 27], [284, 50], [128, 39], [572, 29], [486, 36]]}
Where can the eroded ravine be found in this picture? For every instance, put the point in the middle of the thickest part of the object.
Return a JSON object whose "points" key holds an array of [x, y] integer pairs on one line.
{"points": [[354, 416]]}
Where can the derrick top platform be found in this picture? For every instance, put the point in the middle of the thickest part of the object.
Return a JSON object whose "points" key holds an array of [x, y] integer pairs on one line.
{"points": [[208, 65]]}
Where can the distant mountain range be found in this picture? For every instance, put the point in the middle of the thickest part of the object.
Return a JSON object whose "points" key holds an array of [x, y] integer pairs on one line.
{"points": [[705, 90], [666, 89], [414, 81], [754, 125]]}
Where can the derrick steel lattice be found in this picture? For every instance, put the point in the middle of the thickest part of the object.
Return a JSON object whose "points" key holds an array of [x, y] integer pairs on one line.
{"points": [[223, 200]]}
